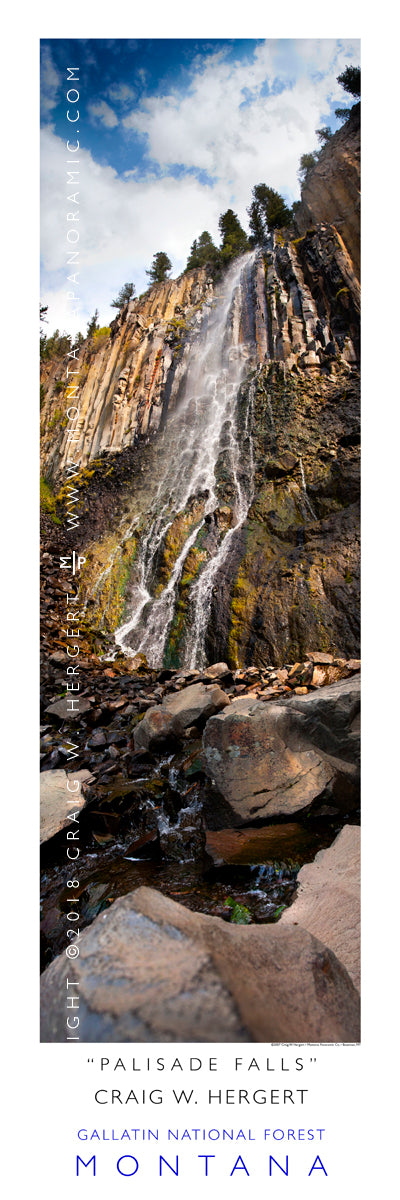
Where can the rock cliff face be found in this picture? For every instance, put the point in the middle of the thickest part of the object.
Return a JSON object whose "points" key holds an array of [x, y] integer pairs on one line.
{"points": [[123, 382], [218, 447], [332, 189]]}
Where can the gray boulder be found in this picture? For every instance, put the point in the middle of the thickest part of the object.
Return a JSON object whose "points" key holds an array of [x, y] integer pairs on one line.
{"points": [[178, 712], [275, 760]]}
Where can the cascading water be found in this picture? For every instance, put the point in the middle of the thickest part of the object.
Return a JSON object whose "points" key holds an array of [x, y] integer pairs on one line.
{"points": [[203, 428], [304, 486]]}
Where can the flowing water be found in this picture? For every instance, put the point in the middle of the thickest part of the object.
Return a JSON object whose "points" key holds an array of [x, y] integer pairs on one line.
{"points": [[304, 486], [202, 429]]}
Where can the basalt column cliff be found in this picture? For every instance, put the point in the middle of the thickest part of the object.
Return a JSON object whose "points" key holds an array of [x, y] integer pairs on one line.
{"points": [[218, 449]]}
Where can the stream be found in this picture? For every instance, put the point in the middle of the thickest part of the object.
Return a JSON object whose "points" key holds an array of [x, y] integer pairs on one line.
{"points": [[162, 829]]}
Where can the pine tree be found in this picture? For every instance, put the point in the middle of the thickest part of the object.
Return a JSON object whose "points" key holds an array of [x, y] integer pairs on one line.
{"points": [[267, 211], [126, 293], [234, 239], [160, 267], [350, 79], [203, 253]]}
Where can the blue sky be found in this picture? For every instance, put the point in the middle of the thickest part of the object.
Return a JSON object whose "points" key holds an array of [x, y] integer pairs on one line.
{"points": [[172, 132]]}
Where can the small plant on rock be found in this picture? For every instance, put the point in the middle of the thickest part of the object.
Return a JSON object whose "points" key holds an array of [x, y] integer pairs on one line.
{"points": [[240, 915]]}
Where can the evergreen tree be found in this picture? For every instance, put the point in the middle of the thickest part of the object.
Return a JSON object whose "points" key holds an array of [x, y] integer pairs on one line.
{"points": [[126, 293], [160, 267], [193, 260], [203, 253], [307, 162], [256, 223], [350, 80], [234, 239], [92, 324], [267, 211], [323, 134], [55, 346]]}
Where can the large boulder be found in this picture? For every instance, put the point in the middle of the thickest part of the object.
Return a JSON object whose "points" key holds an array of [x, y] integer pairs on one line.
{"points": [[276, 760], [149, 970], [57, 801], [328, 899], [191, 706]]}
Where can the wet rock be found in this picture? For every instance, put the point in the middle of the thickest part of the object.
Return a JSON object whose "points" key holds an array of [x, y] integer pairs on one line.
{"points": [[274, 760], [150, 970], [184, 841], [289, 843], [55, 800], [328, 899], [277, 468]]}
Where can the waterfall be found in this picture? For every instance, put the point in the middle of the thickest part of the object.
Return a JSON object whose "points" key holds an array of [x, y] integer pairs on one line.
{"points": [[202, 428], [304, 486]]}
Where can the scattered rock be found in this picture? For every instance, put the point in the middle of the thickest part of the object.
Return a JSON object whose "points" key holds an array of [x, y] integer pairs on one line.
{"points": [[61, 710], [319, 657], [216, 670]]}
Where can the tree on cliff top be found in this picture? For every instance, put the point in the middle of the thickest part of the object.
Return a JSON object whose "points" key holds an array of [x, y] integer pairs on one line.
{"points": [[324, 134], [234, 239], [267, 211], [125, 294], [307, 162], [93, 324], [350, 79], [203, 253], [160, 267]]}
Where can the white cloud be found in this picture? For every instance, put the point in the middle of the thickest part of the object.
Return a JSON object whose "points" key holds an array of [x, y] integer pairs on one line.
{"points": [[121, 93], [50, 82], [125, 219], [103, 113], [211, 129], [123, 222]]}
